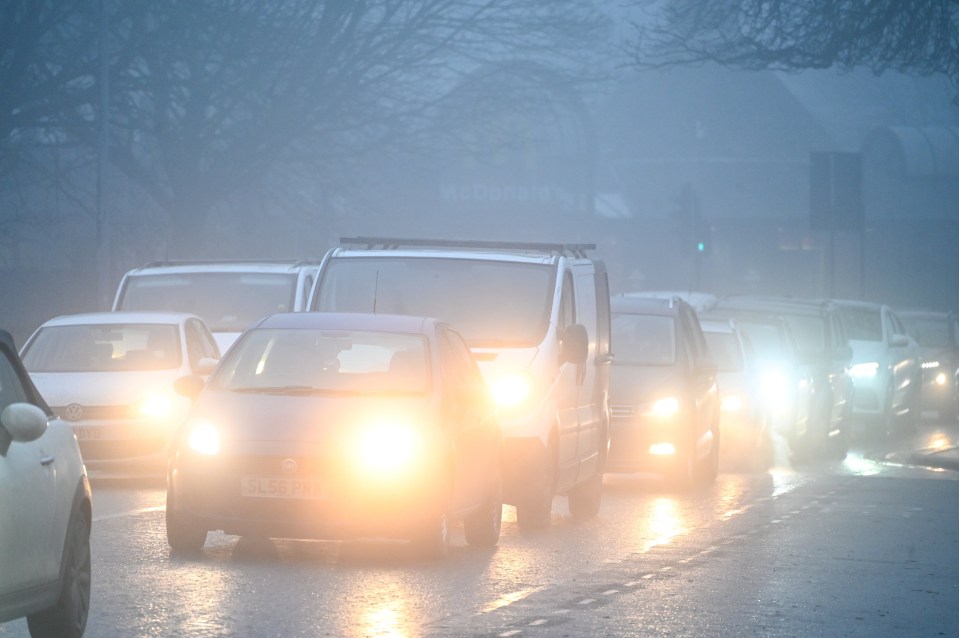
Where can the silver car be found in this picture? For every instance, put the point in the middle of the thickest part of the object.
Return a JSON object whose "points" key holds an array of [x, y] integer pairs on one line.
{"points": [[45, 510]]}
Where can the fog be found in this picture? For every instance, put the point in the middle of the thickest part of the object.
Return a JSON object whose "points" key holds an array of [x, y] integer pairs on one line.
{"points": [[221, 130]]}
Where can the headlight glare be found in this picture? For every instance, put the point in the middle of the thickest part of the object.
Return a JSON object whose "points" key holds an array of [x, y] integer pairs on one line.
{"points": [[731, 403], [204, 438], [510, 390], [156, 406], [665, 407], [385, 449], [864, 370]]}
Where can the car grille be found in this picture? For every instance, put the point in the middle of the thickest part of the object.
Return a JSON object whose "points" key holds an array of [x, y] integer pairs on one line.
{"points": [[76, 412]]}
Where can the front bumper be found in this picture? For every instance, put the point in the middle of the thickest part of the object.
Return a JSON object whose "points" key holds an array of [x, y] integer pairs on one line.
{"points": [[642, 444]]}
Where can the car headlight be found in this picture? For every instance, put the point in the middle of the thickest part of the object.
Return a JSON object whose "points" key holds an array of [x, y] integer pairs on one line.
{"points": [[204, 438], [511, 390], [386, 449], [864, 370], [941, 378], [156, 406], [665, 407], [731, 403], [930, 365]]}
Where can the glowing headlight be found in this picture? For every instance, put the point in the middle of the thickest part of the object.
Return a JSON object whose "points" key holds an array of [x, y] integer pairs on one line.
{"points": [[662, 449], [156, 406], [387, 448], [929, 365], [864, 370], [665, 407], [204, 439], [941, 378], [731, 403], [510, 390]]}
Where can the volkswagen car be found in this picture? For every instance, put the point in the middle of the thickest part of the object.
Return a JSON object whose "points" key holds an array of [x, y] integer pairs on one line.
{"points": [[338, 426], [110, 376]]}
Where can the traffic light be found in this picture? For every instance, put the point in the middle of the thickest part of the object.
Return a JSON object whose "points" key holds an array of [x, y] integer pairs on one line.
{"points": [[702, 237]]}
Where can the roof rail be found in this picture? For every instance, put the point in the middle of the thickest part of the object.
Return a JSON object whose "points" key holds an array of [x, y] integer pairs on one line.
{"points": [[392, 243]]}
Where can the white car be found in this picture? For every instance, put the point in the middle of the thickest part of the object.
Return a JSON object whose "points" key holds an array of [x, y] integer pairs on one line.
{"points": [[886, 366], [228, 295], [111, 374], [45, 510]]}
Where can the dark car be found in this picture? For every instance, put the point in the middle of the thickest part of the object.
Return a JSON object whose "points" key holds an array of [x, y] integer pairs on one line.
{"points": [[938, 337], [45, 510], [664, 400], [339, 426], [824, 353]]}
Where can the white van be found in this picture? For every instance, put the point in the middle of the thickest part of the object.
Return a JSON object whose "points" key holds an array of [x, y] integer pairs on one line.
{"points": [[536, 317], [227, 295]]}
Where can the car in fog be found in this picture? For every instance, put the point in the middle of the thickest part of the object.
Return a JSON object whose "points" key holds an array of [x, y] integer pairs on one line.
{"points": [[785, 381], [227, 295], [536, 316], [664, 399], [745, 415], [110, 375], [885, 367], [339, 426], [937, 334], [824, 351], [45, 510]]}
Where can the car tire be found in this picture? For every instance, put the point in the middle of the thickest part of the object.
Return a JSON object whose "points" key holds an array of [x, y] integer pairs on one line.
{"points": [[182, 534], [482, 527], [585, 499], [535, 510], [433, 540], [68, 617]]}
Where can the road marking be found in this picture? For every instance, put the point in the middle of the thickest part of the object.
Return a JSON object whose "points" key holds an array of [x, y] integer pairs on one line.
{"points": [[143, 510], [538, 621], [610, 592], [586, 601], [511, 632], [509, 599]]}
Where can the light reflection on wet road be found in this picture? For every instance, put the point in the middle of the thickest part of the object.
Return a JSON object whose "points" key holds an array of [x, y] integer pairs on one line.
{"points": [[308, 588]]}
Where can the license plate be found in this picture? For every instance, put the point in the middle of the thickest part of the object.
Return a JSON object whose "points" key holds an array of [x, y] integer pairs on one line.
{"points": [[101, 433], [267, 487]]}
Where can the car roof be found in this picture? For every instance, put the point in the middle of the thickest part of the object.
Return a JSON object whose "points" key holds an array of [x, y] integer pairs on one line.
{"points": [[645, 305], [718, 325], [772, 305], [439, 253], [348, 321], [927, 314], [857, 304], [240, 266], [117, 317]]}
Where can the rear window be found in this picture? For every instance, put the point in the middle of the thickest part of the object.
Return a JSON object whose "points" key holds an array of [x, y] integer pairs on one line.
{"points": [[862, 324], [643, 339], [226, 301]]}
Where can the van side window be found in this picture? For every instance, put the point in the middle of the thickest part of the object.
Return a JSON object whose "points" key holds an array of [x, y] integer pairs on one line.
{"points": [[567, 308]]}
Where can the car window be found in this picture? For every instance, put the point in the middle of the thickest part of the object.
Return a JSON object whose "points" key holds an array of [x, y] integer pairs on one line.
{"points": [[198, 344], [726, 351], [104, 348], [862, 324], [11, 388], [644, 339], [294, 360]]}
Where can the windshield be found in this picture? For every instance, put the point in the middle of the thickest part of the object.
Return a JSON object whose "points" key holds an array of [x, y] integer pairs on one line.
{"points": [[931, 332], [104, 348], [297, 361], [809, 332], [492, 303], [724, 346], [862, 324], [767, 340], [643, 339], [226, 301]]}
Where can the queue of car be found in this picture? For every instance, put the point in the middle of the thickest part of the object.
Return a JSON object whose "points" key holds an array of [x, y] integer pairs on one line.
{"points": [[401, 386]]}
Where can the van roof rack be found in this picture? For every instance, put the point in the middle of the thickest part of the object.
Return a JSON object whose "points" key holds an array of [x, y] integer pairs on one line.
{"points": [[392, 243]]}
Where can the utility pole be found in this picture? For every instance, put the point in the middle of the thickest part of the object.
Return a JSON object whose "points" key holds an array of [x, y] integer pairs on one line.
{"points": [[105, 283]]}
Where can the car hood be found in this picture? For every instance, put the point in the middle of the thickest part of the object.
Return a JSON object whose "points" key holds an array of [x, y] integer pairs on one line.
{"points": [[308, 419], [102, 388], [637, 384]]}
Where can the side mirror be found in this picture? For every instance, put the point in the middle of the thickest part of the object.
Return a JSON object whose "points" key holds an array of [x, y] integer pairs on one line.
{"points": [[575, 344], [189, 387], [23, 422], [205, 365], [899, 341]]}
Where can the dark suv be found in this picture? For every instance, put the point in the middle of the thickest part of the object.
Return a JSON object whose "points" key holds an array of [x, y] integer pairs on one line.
{"points": [[938, 337], [663, 397], [824, 353]]}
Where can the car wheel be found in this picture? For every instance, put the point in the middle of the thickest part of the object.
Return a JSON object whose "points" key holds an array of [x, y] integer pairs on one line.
{"points": [[483, 527], [68, 618], [586, 498], [434, 539], [182, 534], [535, 509]]}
